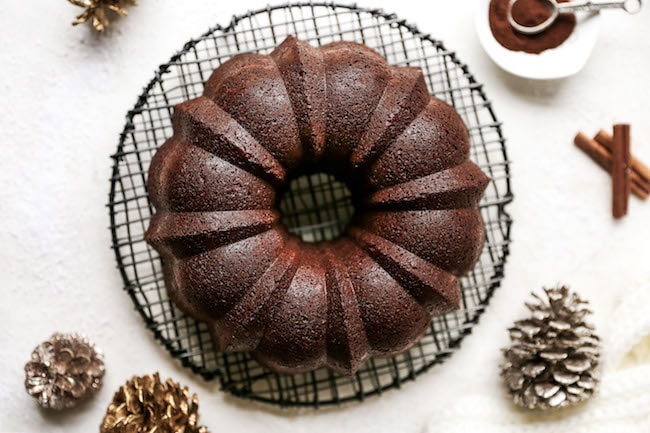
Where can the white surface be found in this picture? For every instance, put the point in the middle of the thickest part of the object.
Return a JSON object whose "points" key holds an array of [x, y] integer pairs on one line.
{"points": [[64, 96], [566, 60]]}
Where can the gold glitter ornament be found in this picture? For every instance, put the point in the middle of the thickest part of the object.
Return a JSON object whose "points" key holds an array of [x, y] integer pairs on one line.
{"points": [[97, 11], [63, 371], [554, 355], [145, 405]]}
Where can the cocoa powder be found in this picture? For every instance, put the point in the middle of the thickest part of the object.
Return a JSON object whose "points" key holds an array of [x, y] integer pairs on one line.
{"points": [[528, 13]]}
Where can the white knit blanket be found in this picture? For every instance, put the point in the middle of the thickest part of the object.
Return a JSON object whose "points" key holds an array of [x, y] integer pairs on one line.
{"points": [[622, 404]]}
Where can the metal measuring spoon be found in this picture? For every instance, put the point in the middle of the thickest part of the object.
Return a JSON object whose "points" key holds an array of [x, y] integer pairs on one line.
{"points": [[629, 6]]}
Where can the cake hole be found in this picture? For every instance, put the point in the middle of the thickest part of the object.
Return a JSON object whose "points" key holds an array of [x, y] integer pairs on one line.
{"points": [[317, 207]]}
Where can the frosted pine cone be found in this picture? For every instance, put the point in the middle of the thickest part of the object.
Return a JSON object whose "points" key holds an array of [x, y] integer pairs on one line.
{"points": [[63, 371], [553, 359]]}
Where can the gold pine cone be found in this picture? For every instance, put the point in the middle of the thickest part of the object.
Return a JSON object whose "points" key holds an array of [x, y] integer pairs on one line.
{"points": [[145, 404], [97, 11]]}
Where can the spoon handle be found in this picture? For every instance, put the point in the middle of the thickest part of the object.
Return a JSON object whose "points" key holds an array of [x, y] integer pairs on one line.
{"points": [[630, 6]]}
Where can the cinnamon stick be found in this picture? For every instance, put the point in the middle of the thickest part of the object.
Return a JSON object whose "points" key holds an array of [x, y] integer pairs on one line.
{"points": [[603, 158], [637, 182], [620, 170], [640, 169]]}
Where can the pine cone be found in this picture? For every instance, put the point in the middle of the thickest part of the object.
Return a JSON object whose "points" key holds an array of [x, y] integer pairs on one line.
{"points": [[552, 361], [145, 404], [97, 11], [63, 371]]}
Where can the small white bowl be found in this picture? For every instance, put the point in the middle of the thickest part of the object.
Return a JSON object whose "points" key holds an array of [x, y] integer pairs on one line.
{"points": [[562, 61]]}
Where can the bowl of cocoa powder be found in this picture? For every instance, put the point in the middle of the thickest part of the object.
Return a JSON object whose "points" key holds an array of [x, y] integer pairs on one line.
{"points": [[560, 51]]}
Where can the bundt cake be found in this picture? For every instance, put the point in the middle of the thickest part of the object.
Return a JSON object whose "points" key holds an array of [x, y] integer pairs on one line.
{"points": [[263, 120]]}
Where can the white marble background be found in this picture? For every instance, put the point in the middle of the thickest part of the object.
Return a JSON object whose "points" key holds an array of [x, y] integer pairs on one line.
{"points": [[64, 93]]}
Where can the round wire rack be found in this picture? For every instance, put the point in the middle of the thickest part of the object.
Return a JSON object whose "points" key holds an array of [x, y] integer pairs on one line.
{"points": [[315, 207]]}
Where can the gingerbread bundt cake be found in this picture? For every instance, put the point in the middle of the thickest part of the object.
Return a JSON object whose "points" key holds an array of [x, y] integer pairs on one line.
{"points": [[263, 120]]}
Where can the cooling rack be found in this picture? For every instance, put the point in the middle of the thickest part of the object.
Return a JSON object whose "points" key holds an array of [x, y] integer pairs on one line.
{"points": [[316, 207]]}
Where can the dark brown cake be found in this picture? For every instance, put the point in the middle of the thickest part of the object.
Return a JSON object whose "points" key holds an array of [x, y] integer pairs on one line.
{"points": [[342, 109]]}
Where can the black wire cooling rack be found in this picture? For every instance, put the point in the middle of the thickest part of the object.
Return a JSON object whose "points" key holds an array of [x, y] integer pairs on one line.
{"points": [[316, 207]]}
